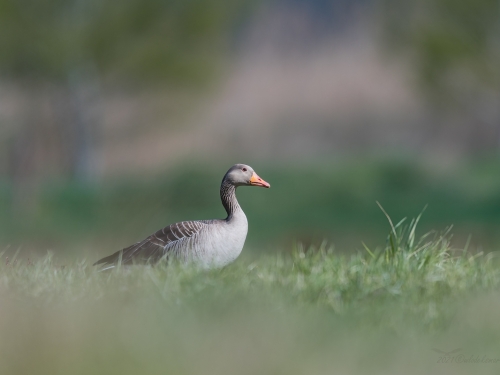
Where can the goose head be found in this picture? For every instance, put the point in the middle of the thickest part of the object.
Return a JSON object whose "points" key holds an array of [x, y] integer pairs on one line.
{"points": [[244, 175]]}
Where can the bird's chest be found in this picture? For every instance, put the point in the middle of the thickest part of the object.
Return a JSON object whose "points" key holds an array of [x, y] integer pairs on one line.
{"points": [[226, 243]]}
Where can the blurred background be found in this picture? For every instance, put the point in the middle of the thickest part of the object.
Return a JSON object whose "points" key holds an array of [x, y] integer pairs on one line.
{"points": [[119, 118]]}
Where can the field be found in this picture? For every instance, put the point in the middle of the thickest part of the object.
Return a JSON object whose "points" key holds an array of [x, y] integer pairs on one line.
{"points": [[398, 308], [375, 251], [308, 203]]}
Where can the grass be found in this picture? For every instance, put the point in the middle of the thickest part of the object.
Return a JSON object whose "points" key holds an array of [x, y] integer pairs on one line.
{"points": [[309, 311]]}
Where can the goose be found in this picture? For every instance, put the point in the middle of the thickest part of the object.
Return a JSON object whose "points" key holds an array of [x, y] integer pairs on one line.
{"points": [[206, 243]]}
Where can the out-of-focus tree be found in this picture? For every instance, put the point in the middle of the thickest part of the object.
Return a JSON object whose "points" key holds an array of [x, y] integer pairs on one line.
{"points": [[61, 52], [132, 39], [455, 46]]}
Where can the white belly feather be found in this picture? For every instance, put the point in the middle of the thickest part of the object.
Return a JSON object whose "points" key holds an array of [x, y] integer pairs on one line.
{"points": [[223, 243], [216, 245]]}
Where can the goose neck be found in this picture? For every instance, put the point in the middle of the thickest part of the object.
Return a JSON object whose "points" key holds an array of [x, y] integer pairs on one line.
{"points": [[228, 198]]}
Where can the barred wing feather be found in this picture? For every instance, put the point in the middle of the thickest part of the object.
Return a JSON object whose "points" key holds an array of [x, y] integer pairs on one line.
{"points": [[158, 245]]}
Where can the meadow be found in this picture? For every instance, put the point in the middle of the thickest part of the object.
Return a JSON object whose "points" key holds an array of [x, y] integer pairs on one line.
{"points": [[307, 203], [413, 305], [358, 113]]}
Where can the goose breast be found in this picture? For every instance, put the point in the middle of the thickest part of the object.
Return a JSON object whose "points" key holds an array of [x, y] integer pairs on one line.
{"points": [[220, 244]]}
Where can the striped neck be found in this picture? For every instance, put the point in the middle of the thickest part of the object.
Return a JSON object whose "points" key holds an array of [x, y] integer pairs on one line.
{"points": [[228, 198]]}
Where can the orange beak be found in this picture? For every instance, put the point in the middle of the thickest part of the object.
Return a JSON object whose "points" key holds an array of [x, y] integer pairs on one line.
{"points": [[257, 181]]}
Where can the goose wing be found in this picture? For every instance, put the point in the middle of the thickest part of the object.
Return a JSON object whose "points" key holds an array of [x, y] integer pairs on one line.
{"points": [[154, 247]]}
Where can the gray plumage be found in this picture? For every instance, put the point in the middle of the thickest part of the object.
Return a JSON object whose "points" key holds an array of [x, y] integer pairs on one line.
{"points": [[207, 243]]}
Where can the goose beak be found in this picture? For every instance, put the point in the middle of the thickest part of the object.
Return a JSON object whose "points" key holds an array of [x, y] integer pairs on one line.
{"points": [[257, 181]]}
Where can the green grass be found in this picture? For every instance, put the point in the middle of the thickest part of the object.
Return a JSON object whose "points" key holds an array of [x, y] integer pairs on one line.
{"points": [[308, 311]]}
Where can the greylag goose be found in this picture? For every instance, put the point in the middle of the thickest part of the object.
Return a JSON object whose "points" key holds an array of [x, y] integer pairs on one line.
{"points": [[206, 243]]}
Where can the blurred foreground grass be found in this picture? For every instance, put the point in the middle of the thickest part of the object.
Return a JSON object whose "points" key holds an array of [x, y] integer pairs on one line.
{"points": [[311, 311], [308, 202]]}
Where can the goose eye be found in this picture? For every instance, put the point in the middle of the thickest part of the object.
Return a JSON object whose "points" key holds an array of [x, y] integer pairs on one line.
{"points": [[244, 169]]}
